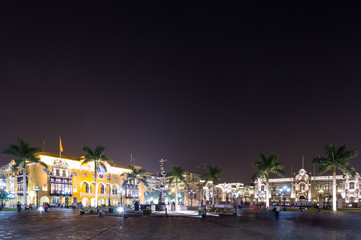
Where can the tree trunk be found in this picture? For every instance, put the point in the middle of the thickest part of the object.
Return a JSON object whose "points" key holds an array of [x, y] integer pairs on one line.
{"points": [[213, 193], [334, 207], [96, 188], [176, 193], [25, 187], [267, 198], [134, 191]]}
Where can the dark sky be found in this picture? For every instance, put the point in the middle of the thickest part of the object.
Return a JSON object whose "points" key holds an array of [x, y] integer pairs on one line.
{"points": [[193, 83]]}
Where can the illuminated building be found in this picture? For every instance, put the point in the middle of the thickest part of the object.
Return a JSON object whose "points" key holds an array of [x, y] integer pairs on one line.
{"points": [[229, 193], [308, 190], [66, 181]]}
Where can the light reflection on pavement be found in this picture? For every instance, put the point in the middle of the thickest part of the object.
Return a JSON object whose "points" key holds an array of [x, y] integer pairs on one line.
{"points": [[68, 224]]}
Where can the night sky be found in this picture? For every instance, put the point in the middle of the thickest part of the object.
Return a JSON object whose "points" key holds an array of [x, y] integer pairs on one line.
{"points": [[195, 83]]}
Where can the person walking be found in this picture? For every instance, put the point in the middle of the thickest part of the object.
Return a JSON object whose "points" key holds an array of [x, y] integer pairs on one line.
{"points": [[18, 206], [278, 209]]}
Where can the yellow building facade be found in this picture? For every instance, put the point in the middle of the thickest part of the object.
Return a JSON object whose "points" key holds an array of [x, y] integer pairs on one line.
{"points": [[66, 181]]}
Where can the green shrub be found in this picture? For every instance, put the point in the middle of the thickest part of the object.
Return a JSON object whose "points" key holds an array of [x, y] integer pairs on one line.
{"points": [[147, 211]]}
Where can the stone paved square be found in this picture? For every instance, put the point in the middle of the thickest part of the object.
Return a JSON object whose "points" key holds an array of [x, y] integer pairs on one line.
{"points": [[68, 224]]}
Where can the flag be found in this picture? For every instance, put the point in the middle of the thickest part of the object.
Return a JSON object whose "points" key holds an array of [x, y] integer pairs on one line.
{"points": [[60, 145]]}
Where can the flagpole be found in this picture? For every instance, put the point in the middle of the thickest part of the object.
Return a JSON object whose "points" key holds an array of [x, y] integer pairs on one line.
{"points": [[60, 147]]}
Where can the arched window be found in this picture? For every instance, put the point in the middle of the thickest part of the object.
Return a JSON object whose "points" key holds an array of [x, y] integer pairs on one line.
{"points": [[86, 187], [102, 189], [91, 189], [262, 188], [352, 185], [302, 187]]}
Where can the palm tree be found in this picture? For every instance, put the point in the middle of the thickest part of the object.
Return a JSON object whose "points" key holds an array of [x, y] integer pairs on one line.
{"points": [[336, 158], [99, 159], [135, 175], [23, 154], [176, 174], [213, 175], [266, 166]]}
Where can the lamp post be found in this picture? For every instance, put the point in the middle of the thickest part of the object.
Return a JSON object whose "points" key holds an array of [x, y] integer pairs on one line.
{"points": [[12, 197], [201, 183], [109, 190], [328, 193], [67, 198], [2, 192], [235, 196], [121, 196], [283, 191], [191, 193], [37, 195]]}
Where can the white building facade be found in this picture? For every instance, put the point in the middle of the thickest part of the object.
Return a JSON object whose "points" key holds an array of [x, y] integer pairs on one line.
{"points": [[306, 190]]}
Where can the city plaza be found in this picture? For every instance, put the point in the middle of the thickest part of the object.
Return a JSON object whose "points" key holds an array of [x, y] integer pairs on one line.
{"points": [[66, 181], [68, 224]]}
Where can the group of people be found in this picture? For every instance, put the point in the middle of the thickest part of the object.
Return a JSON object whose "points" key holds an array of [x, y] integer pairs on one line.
{"points": [[31, 206], [26, 207]]}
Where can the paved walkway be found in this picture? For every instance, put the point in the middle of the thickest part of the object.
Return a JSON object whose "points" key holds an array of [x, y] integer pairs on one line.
{"points": [[68, 224]]}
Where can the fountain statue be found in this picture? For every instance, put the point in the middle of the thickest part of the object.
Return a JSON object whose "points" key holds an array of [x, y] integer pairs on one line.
{"points": [[161, 201]]}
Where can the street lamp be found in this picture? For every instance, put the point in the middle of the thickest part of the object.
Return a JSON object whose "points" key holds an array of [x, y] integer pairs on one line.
{"points": [[201, 183], [67, 198], [191, 194], [2, 192], [282, 191], [37, 195], [12, 197], [235, 195], [109, 189], [328, 193], [121, 196]]}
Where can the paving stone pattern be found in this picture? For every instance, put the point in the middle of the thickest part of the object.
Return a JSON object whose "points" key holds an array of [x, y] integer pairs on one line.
{"points": [[68, 224]]}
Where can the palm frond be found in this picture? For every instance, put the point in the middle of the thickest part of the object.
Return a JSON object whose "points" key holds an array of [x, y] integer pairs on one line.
{"points": [[22, 151], [256, 176], [335, 158], [349, 170], [86, 161], [144, 181], [279, 172], [323, 169], [320, 160], [213, 173], [103, 165], [43, 164]]}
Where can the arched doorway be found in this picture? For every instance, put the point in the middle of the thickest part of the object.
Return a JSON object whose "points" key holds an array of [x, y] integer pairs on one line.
{"points": [[92, 202], [85, 202], [43, 200], [302, 201]]}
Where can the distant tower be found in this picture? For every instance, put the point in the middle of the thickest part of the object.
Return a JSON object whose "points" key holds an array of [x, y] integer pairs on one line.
{"points": [[132, 160]]}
